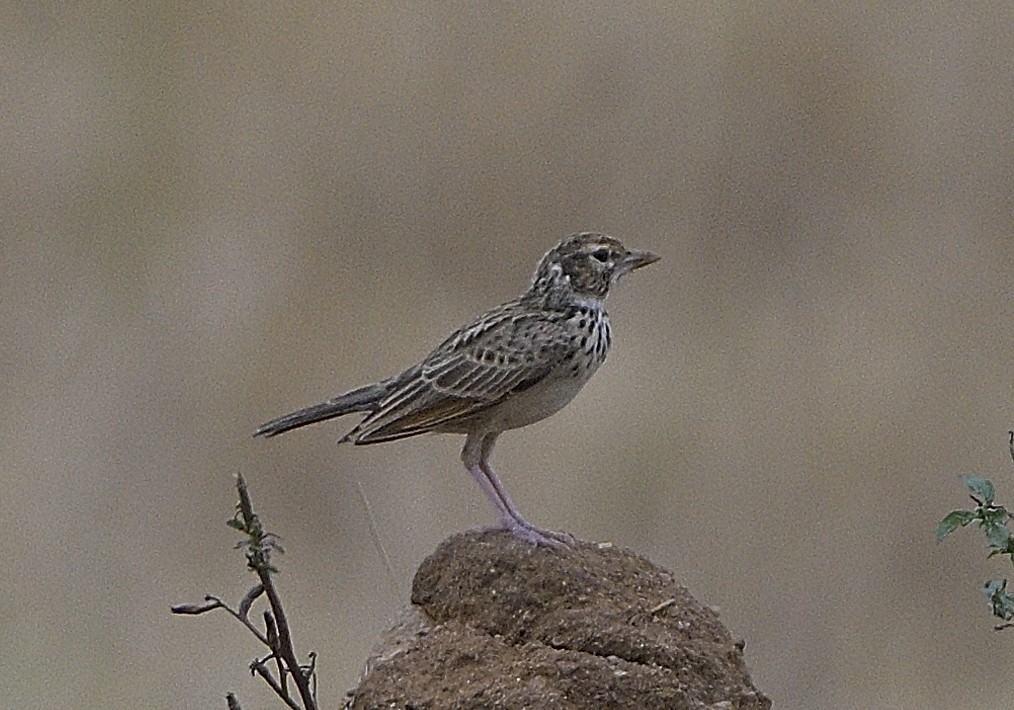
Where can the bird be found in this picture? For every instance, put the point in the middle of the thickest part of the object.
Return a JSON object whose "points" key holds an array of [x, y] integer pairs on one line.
{"points": [[512, 366]]}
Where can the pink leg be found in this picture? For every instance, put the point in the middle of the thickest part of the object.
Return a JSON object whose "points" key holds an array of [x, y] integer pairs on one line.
{"points": [[510, 518], [504, 507], [501, 493], [475, 455], [509, 515]]}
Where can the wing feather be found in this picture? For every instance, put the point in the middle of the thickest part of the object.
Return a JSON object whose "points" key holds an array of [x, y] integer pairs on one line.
{"points": [[505, 351]]}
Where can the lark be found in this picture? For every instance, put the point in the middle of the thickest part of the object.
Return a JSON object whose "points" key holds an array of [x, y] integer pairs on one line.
{"points": [[512, 366]]}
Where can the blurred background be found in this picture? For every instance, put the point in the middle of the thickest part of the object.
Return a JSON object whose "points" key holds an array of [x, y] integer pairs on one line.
{"points": [[215, 213]]}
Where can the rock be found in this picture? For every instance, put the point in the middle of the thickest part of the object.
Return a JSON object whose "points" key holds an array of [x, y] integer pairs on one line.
{"points": [[498, 623]]}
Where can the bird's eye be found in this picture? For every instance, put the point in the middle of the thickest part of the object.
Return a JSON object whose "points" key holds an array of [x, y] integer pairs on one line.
{"points": [[601, 254]]}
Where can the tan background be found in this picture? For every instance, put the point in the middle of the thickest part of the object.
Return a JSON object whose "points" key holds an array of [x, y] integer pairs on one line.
{"points": [[214, 214]]}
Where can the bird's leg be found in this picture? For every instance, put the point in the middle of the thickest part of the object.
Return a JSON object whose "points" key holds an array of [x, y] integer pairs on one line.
{"points": [[518, 525], [515, 522], [493, 482], [471, 456], [509, 516], [503, 501], [477, 448]]}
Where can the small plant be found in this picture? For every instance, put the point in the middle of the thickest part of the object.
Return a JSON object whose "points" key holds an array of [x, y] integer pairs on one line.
{"points": [[280, 664], [992, 519]]}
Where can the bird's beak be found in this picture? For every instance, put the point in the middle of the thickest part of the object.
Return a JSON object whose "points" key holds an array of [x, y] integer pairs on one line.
{"points": [[636, 258]]}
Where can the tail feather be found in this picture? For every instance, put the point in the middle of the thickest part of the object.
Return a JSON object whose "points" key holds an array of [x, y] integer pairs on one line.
{"points": [[364, 399]]}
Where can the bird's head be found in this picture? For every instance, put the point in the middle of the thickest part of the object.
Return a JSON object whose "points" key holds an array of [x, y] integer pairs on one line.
{"points": [[586, 265]]}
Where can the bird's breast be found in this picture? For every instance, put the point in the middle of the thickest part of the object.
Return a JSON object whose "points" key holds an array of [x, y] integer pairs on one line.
{"points": [[589, 345]]}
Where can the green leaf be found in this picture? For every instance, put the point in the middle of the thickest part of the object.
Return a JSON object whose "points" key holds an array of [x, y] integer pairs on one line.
{"points": [[994, 586], [1001, 602], [981, 488], [954, 520], [997, 534]]}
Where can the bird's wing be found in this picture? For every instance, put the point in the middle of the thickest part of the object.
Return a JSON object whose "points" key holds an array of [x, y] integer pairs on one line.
{"points": [[503, 352]]}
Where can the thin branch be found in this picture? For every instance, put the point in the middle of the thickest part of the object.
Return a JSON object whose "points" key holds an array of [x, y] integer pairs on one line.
{"points": [[311, 672], [210, 603], [258, 557], [213, 602], [246, 622], [285, 649], [257, 667], [249, 599], [269, 624], [259, 544]]}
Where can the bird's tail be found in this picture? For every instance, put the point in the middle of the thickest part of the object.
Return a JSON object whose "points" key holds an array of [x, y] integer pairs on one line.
{"points": [[364, 399]]}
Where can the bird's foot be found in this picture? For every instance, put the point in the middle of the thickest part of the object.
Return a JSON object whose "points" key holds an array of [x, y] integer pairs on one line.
{"points": [[524, 530]]}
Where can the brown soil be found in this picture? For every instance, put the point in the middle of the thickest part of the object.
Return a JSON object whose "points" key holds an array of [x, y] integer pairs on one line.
{"points": [[497, 623]]}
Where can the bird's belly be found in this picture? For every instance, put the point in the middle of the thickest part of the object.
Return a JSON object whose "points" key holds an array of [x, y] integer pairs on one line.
{"points": [[534, 404]]}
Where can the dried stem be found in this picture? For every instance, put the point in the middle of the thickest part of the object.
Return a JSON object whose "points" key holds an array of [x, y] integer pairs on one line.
{"points": [[258, 557], [276, 636]]}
